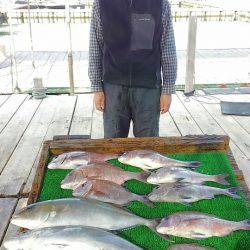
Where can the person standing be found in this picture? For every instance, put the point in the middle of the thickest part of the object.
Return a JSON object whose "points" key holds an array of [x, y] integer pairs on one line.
{"points": [[132, 64]]}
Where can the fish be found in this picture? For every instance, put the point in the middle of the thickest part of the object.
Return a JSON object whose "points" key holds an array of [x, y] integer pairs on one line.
{"points": [[149, 160], [69, 238], [174, 174], [189, 247], [79, 212], [100, 171], [196, 225], [75, 159], [108, 191], [186, 193]]}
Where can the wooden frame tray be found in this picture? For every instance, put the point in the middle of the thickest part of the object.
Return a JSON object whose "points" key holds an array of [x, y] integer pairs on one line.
{"points": [[186, 144]]}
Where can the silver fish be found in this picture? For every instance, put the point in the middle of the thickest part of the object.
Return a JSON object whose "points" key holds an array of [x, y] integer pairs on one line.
{"points": [[148, 160], [73, 160], [174, 174], [108, 191], [195, 225], [189, 247], [100, 171], [187, 193], [78, 212], [69, 238]]}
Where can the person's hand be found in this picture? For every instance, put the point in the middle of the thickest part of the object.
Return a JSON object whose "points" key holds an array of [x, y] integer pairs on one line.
{"points": [[165, 103], [99, 101]]}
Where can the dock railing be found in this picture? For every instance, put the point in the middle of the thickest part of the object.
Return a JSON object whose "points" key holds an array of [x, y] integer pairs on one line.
{"points": [[83, 15]]}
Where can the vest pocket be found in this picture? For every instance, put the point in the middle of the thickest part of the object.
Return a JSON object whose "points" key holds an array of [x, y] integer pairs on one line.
{"points": [[143, 27]]}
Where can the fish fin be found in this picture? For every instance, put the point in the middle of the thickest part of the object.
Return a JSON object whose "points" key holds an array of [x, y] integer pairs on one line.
{"points": [[145, 200], [220, 178], [180, 179], [197, 236], [210, 197], [193, 164], [100, 193], [185, 197], [165, 237], [232, 192], [116, 232], [245, 225], [185, 203], [180, 184], [59, 245], [155, 188]]}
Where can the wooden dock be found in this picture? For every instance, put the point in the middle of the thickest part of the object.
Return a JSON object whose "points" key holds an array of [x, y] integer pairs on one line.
{"points": [[213, 66], [25, 123]]}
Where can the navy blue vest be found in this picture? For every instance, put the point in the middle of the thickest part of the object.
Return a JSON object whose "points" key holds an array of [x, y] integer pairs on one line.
{"points": [[132, 31]]}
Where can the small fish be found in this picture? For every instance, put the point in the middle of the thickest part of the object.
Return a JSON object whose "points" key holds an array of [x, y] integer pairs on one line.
{"points": [[69, 238], [100, 171], [174, 174], [73, 160], [196, 225], [189, 247], [187, 193], [148, 160], [79, 212], [108, 191]]}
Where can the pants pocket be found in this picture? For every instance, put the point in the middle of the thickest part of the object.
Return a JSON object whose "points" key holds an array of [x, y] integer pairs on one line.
{"points": [[143, 27]]}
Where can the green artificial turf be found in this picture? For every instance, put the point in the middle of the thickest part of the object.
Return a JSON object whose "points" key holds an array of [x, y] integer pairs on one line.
{"points": [[222, 206]]}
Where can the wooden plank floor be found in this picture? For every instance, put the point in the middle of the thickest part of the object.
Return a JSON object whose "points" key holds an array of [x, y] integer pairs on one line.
{"points": [[213, 66], [25, 123]]}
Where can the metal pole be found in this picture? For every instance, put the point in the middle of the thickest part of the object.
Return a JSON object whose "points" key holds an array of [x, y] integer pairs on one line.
{"points": [[15, 87], [190, 63], [70, 56], [31, 37]]}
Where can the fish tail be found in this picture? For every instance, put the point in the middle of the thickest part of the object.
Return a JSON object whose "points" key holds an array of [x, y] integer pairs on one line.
{"points": [[145, 199], [220, 178], [244, 225], [193, 164], [142, 176], [232, 192]]}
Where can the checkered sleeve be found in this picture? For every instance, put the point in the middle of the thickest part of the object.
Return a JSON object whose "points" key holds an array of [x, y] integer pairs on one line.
{"points": [[95, 49], [168, 51]]}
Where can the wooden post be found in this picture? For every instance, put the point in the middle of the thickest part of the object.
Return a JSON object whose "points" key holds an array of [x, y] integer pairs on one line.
{"points": [[13, 65], [190, 62], [70, 56]]}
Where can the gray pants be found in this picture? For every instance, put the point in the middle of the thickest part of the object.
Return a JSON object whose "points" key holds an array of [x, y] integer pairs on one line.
{"points": [[123, 104]]}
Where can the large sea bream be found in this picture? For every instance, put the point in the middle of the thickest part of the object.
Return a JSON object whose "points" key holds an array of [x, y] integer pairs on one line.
{"points": [[75, 159], [148, 160], [196, 225]]}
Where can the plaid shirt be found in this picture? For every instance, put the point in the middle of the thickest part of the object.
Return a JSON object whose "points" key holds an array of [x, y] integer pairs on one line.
{"points": [[168, 50]]}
